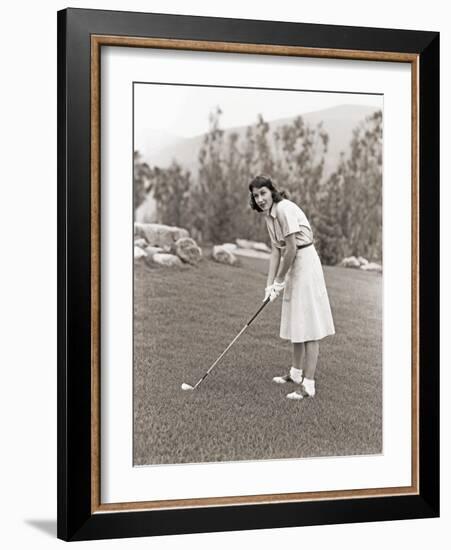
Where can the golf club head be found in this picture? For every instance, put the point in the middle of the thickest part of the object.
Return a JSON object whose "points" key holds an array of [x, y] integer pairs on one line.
{"points": [[187, 387]]}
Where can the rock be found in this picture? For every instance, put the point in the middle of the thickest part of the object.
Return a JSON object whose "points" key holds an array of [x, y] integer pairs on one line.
{"points": [[160, 235], [150, 253], [229, 246], [351, 261], [252, 245], [223, 256], [152, 250], [251, 253], [166, 260], [138, 253], [142, 243], [261, 247], [362, 261], [372, 267], [188, 251], [243, 243]]}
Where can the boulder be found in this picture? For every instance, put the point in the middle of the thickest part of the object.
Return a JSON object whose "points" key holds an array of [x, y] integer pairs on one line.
{"points": [[160, 235], [188, 251], [261, 247], [166, 260], [230, 246], [142, 243], [351, 261], [372, 266], [138, 253], [251, 253], [244, 243], [152, 250], [223, 256], [252, 245]]}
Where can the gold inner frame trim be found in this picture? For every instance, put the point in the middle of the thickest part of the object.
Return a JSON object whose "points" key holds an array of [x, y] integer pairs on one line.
{"points": [[97, 41]]}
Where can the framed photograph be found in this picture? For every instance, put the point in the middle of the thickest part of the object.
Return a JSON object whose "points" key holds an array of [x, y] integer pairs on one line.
{"points": [[248, 274]]}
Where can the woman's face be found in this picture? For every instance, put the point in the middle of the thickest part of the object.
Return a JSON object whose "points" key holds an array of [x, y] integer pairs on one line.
{"points": [[263, 198]]}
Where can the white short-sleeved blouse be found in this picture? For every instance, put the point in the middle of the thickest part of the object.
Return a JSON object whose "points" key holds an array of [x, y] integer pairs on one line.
{"points": [[283, 219]]}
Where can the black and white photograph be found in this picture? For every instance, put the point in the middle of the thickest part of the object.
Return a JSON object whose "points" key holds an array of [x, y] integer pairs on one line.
{"points": [[257, 279], [224, 302]]}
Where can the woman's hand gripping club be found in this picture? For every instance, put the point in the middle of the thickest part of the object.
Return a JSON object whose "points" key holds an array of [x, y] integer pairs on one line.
{"points": [[273, 291]]}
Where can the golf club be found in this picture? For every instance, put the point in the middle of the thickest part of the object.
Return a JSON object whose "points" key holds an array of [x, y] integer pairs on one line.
{"points": [[188, 386]]}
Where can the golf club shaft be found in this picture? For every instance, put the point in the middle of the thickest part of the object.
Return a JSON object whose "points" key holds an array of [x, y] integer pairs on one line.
{"points": [[258, 311], [231, 343]]}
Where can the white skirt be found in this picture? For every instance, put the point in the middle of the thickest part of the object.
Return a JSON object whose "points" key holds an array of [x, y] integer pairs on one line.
{"points": [[306, 313]]}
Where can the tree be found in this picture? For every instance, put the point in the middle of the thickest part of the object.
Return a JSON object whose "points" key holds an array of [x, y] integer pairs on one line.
{"points": [[355, 191], [213, 200], [329, 238], [258, 154], [257, 158], [345, 211], [142, 176], [293, 157], [171, 190], [300, 152]]}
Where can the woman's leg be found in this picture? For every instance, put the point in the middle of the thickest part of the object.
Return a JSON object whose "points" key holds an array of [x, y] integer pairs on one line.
{"points": [[311, 359], [296, 372], [298, 355]]}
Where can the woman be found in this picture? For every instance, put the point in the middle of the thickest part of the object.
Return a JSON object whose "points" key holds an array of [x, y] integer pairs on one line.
{"points": [[295, 268]]}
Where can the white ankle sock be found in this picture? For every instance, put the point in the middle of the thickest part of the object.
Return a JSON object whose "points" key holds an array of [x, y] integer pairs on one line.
{"points": [[309, 386], [296, 375]]}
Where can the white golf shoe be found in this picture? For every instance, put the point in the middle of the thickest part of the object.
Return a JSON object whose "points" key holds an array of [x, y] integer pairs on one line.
{"points": [[295, 395], [307, 388], [295, 376]]}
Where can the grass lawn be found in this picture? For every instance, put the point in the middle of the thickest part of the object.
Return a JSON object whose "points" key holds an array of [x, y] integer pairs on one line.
{"points": [[183, 320]]}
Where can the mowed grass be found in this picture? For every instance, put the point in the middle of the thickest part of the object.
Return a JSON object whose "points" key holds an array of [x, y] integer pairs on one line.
{"points": [[185, 317]]}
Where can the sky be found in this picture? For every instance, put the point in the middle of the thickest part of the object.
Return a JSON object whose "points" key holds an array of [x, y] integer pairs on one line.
{"points": [[183, 110]]}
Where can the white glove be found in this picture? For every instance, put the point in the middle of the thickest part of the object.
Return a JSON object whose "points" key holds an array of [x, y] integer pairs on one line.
{"points": [[276, 290], [267, 292]]}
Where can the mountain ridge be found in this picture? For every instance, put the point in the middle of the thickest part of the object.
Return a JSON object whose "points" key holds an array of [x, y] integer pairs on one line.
{"points": [[339, 123]]}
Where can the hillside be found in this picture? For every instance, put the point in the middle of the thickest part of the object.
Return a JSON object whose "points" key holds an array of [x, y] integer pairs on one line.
{"points": [[339, 122]]}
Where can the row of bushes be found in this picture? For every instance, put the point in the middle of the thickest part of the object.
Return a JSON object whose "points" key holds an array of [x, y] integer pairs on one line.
{"points": [[345, 210]]}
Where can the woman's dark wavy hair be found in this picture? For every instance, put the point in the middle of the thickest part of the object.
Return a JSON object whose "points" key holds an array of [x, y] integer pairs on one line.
{"points": [[263, 181]]}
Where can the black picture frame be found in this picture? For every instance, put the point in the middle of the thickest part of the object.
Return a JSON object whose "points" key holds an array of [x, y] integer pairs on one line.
{"points": [[77, 520]]}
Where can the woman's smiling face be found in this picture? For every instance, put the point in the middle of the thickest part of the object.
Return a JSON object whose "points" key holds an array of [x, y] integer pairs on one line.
{"points": [[263, 198]]}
